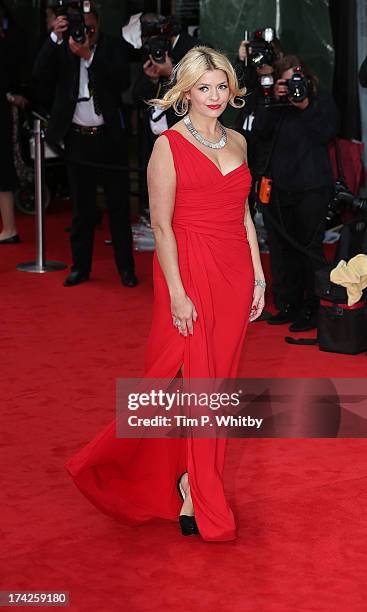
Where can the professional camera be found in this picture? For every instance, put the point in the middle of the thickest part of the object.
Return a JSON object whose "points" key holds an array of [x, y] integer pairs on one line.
{"points": [[297, 87], [157, 48], [156, 36], [298, 90], [260, 50], [74, 11], [343, 194]]}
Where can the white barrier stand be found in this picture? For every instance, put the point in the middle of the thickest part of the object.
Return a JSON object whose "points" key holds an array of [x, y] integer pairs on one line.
{"points": [[40, 265]]}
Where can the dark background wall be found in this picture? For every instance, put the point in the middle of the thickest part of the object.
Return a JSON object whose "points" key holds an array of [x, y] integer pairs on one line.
{"points": [[304, 27]]}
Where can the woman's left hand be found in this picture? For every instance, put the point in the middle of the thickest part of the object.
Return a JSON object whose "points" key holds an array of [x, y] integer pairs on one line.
{"points": [[258, 303]]}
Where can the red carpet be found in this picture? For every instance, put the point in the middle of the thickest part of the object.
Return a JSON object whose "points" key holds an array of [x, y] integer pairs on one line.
{"points": [[300, 503]]}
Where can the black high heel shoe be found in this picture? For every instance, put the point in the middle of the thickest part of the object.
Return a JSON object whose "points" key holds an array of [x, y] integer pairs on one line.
{"points": [[187, 523], [12, 240]]}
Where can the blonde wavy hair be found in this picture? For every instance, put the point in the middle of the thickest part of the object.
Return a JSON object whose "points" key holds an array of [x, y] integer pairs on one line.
{"points": [[189, 70]]}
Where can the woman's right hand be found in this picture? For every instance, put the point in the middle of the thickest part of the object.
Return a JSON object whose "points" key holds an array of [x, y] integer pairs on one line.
{"points": [[183, 310]]}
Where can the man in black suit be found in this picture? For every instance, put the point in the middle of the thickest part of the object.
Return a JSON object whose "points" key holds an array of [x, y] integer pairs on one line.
{"points": [[86, 114]]}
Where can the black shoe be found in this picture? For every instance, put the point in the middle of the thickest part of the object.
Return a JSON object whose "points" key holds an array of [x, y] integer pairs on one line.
{"points": [[12, 240], [75, 278], [128, 278], [187, 523], [306, 320], [288, 314]]}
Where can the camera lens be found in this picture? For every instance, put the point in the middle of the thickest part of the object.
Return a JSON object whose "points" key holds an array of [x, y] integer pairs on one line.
{"points": [[158, 55]]}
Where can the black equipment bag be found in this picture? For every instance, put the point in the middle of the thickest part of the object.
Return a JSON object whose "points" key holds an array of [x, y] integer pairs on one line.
{"points": [[325, 289], [342, 328]]}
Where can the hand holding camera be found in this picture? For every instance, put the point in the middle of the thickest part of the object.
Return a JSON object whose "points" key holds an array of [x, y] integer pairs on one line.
{"points": [[154, 69], [258, 48], [61, 26], [280, 89], [295, 90], [70, 20], [80, 49]]}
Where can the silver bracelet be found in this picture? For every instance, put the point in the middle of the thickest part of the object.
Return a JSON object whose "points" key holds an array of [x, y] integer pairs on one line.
{"points": [[259, 282]]}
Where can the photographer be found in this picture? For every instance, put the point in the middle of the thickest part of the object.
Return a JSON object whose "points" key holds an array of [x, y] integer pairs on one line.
{"points": [[91, 72], [255, 68], [164, 44], [302, 121], [161, 38]]}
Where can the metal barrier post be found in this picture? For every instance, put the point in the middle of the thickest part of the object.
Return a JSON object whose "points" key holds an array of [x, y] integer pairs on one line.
{"points": [[40, 265]]}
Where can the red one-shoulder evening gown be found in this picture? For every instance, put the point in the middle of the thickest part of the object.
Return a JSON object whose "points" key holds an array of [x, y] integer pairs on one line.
{"points": [[134, 480]]}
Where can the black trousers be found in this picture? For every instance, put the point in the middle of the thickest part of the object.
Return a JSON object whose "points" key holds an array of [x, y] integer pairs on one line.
{"points": [[277, 265], [303, 216], [101, 149]]}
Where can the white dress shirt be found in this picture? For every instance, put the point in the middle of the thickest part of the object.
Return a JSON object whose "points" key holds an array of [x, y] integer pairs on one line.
{"points": [[84, 111]]}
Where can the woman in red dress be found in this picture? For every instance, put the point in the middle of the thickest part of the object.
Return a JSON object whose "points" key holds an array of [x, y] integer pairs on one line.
{"points": [[208, 284]]}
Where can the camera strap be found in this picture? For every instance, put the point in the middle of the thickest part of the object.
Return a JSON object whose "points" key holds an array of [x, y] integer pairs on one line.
{"points": [[264, 186], [266, 169], [265, 209]]}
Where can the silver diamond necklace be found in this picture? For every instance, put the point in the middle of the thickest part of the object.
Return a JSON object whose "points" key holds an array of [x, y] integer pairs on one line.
{"points": [[213, 145]]}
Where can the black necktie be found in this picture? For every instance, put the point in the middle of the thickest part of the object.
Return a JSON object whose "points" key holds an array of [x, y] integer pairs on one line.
{"points": [[93, 90]]}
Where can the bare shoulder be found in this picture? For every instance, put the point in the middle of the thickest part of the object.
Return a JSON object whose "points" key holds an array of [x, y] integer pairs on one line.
{"points": [[161, 145], [161, 160], [237, 138], [161, 150]]}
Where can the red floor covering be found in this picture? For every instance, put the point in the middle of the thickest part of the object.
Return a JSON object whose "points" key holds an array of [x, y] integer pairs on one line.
{"points": [[300, 504]]}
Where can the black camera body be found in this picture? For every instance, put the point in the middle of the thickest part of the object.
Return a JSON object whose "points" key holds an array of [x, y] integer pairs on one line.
{"points": [[344, 195], [156, 36], [260, 49], [156, 47], [74, 11], [298, 87]]}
